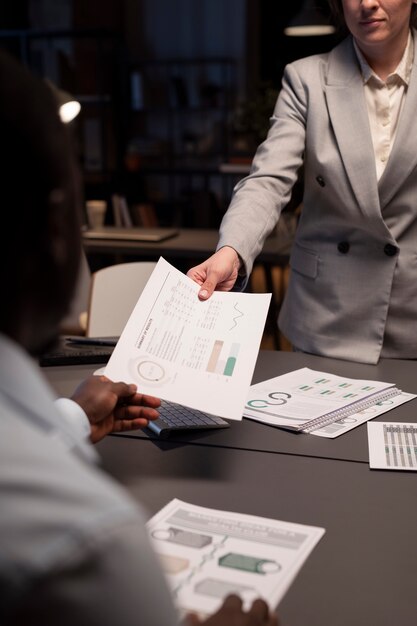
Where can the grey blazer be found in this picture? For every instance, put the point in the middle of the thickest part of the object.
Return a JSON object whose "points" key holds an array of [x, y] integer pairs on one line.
{"points": [[353, 285]]}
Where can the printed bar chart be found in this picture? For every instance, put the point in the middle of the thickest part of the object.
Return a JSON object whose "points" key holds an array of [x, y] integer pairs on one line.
{"points": [[226, 365], [392, 445], [231, 360], [400, 445], [214, 356]]}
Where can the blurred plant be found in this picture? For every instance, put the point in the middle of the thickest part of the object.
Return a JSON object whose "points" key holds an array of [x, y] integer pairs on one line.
{"points": [[251, 118]]}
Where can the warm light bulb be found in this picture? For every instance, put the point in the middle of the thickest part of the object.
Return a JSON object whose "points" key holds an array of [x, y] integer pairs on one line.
{"points": [[309, 31], [69, 110]]}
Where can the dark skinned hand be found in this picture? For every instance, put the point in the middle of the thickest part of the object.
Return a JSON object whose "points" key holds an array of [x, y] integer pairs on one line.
{"points": [[232, 614], [114, 407]]}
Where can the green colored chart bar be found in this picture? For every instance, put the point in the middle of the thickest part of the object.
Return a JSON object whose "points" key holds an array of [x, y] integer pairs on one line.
{"points": [[231, 360]]}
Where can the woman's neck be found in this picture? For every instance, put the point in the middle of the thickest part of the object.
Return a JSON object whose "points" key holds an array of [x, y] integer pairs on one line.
{"points": [[384, 59]]}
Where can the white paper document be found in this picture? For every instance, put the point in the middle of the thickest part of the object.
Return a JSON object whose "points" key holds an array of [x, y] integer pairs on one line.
{"points": [[306, 399], [208, 554], [199, 354], [392, 445], [356, 419]]}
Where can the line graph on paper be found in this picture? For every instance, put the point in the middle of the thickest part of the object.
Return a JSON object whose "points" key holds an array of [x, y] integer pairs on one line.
{"points": [[238, 315]]}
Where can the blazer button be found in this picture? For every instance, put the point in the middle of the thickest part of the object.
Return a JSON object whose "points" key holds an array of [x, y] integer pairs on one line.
{"points": [[321, 181], [343, 247], [390, 250]]}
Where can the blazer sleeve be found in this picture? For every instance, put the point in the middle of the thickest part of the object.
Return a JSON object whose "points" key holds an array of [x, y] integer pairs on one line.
{"points": [[259, 198]]}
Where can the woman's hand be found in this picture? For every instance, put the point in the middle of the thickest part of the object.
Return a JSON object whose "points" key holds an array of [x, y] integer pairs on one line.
{"points": [[219, 272]]}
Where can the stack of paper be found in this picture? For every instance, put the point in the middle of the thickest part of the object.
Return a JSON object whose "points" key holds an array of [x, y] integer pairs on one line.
{"points": [[306, 400]]}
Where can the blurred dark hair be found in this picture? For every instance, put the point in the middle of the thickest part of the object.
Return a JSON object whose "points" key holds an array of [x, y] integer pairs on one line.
{"points": [[336, 8], [40, 250]]}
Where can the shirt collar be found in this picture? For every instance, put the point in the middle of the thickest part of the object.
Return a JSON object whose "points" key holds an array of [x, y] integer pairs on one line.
{"points": [[403, 70]]}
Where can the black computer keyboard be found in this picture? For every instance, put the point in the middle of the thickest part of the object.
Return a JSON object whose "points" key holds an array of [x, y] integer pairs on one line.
{"points": [[175, 417], [68, 351]]}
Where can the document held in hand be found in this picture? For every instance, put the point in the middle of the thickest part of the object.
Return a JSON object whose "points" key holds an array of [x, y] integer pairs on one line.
{"points": [[199, 354]]}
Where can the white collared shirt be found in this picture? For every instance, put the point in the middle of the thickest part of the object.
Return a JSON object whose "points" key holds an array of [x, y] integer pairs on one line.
{"points": [[385, 100]]}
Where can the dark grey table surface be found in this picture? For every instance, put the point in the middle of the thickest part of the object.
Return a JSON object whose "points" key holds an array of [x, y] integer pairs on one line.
{"points": [[364, 569], [251, 435]]}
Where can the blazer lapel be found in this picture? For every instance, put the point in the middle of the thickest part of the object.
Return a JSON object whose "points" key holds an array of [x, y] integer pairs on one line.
{"points": [[403, 157], [349, 119]]}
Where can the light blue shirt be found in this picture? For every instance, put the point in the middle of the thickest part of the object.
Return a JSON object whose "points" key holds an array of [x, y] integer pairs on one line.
{"points": [[73, 544]]}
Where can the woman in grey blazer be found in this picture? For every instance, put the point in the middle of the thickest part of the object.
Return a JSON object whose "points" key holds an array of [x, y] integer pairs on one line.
{"points": [[349, 118]]}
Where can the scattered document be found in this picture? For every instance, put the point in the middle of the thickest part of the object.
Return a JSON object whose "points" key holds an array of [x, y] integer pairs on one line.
{"points": [[305, 399], [335, 429], [392, 445], [208, 554], [199, 354]]}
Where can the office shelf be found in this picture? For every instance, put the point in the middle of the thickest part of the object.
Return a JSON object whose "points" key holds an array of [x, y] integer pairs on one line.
{"points": [[179, 135], [89, 65]]}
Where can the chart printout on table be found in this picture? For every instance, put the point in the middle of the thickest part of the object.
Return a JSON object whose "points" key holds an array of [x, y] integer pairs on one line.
{"points": [[342, 426], [197, 353], [306, 399], [208, 554], [392, 445]]}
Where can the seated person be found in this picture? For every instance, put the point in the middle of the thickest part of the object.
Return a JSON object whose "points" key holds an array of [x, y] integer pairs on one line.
{"points": [[73, 544]]}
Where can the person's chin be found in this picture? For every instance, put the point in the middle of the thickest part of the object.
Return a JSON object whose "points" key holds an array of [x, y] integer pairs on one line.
{"points": [[369, 32]]}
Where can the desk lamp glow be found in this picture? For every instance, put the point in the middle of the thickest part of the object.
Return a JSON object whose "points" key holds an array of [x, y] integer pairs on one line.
{"points": [[69, 110], [309, 22], [68, 107]]}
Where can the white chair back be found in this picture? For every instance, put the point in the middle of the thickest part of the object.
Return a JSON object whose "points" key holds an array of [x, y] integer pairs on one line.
{"points": [[114, 292]]}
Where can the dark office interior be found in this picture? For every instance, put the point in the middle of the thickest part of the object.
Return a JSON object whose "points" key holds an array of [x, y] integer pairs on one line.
{"points": [[172, 92], [175, 96]]}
